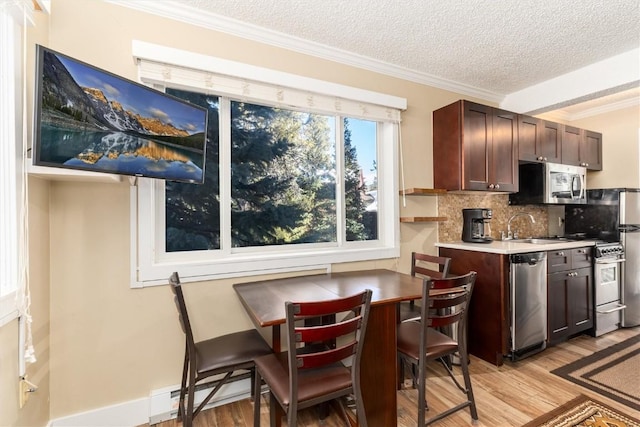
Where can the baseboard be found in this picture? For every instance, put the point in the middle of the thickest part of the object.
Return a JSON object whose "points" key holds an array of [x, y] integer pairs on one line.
{"points": [[131, 413], [137, 412]]}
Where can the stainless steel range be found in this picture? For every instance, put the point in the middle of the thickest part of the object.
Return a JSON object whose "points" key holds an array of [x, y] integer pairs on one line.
{"points": [[607, 269]]}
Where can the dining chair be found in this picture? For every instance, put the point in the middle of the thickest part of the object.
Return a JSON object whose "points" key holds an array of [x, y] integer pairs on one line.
{"points": [[423, 265], [310, 373], [445, 303], [225, 354]]}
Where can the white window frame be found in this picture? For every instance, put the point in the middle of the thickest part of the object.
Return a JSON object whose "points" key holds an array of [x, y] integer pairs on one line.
{"points": [[13, 16], [151, 265]]}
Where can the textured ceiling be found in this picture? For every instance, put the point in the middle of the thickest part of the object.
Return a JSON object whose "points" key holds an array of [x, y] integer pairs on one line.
{"points": [[498, 46]]}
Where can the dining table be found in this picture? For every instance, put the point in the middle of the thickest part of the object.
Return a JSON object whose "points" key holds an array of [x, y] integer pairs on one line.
{"points": [[265, 300]]}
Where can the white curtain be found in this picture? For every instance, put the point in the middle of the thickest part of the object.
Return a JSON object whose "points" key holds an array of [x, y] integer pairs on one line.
{"points": [[15, 15]]}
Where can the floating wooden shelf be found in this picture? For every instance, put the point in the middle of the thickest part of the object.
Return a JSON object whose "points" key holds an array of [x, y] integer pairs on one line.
{"points": [[422, 192], [422, 218]]}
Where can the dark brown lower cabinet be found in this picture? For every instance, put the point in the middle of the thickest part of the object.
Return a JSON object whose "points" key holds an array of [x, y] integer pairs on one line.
{"points": [[488, 329], [569, 304], [569, 298]]}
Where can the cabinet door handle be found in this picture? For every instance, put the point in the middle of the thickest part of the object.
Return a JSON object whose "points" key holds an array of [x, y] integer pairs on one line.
{"points": [[560, 253], [491, 186], [497, 186]]}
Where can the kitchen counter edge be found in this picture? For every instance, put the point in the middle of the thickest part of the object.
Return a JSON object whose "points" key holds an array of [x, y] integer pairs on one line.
{"points": [[507, 247]]}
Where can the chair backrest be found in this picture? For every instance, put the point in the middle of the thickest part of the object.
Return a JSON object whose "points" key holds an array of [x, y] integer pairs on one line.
{"points": [[448, 302], [183, 316], [418, 261], [310, 323]]}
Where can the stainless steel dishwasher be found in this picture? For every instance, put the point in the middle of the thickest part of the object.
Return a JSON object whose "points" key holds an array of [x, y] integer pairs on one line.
{"points": [[528, 304]]}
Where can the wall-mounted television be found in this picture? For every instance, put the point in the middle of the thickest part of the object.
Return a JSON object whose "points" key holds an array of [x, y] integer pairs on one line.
{"points": [[89, 119]]}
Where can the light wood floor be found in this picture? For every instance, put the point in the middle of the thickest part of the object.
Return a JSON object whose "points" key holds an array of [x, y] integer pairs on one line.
{"points": [[510, 395]]}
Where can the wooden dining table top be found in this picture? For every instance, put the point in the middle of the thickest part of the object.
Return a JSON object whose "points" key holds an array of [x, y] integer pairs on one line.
{"points": [[264, 300]]}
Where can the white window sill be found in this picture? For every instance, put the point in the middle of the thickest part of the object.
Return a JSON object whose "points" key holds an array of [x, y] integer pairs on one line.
{"points": [[8, 310]]}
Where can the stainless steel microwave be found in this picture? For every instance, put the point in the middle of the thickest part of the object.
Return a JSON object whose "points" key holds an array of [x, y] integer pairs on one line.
{"points": [[550, 183]]}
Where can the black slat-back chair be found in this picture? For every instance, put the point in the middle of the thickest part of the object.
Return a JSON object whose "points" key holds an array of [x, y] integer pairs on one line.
{"points": [[220, 355]]}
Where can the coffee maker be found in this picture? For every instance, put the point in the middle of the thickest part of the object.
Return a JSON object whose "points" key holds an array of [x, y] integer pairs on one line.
{"points": [[475, 225]]}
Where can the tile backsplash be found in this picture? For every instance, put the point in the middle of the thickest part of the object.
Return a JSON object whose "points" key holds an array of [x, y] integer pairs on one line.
{"points": [[450, 205]]}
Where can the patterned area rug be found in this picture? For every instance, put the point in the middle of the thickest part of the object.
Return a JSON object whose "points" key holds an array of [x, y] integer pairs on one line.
{"points": [[613, 372], [584, 412]]}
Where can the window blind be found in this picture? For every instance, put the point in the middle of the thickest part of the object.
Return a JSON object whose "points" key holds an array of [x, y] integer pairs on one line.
{"points": [[161, 65]]}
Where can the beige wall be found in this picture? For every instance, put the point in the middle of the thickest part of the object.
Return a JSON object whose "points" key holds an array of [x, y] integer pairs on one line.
{"points": [[36, 410], [110, 343], [123, 343], [620, 148]]}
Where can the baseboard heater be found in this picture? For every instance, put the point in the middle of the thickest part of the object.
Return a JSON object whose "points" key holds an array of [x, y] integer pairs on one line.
{"points": [[163, 403]]}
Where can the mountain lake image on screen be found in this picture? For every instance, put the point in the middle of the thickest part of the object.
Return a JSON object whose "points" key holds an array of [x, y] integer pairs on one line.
{"points": [[89, 119]]}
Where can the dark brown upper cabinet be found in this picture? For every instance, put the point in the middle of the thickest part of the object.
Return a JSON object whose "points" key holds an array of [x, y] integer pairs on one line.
{"points": [[591, 150], [475, 148], [571, 137], [581, 148], [538, 140]]}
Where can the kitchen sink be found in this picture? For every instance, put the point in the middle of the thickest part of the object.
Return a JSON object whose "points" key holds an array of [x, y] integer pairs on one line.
{"points": [[541, 240]]}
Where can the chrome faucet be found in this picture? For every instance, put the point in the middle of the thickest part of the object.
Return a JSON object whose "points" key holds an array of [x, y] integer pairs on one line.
{"points": [[511, 235]]}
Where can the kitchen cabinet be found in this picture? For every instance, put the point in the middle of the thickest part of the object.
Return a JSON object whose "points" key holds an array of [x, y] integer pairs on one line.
{"points": [[539, 140], [569, 293], [571, 145], [581, 148], [488, 322], [591, 150], [475, 148]]}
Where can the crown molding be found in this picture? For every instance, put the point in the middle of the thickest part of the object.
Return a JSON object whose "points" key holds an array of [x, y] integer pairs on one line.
{"points": [[607, 108], [179, 12]]}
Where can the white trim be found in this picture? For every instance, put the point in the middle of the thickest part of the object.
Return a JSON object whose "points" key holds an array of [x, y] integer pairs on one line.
{"points": [[139, 411], [11, 126], [602, 109], [8, 309], [131, 413], [200, 18], [605, 77]]}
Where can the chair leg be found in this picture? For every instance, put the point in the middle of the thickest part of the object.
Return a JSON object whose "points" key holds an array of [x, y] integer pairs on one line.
{"points": [[188, 419], [422, 394], [183, 383], [257, 380], [253, 384], [467, 383], [400, 372], [273, 410]]}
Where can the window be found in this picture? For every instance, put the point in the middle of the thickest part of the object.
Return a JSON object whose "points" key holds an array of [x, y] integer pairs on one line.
{"points": [[296, 178], [11, 20]]}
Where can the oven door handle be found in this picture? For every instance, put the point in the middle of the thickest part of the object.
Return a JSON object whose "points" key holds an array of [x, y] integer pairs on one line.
{"points": [[609, 261], [613, 310]]}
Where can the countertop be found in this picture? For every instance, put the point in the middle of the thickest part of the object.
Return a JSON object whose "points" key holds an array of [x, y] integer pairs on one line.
{"points": [[507, 247]]}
